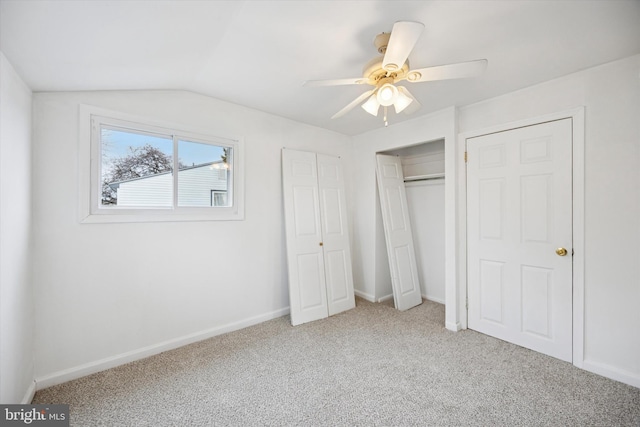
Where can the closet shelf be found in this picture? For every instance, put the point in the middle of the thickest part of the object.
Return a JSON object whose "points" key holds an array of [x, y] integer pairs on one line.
{"points": [[424, 177]]}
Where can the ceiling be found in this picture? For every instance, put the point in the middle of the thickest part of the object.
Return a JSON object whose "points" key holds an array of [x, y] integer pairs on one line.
{"points": [[259, 53]]}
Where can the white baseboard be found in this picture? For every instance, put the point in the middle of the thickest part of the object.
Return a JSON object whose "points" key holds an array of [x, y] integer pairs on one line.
{"points": [[31, 392], [390, 296], [611, 372], [434, 299], [130, 356], [364, 295], [453, 326], [385, 298]]}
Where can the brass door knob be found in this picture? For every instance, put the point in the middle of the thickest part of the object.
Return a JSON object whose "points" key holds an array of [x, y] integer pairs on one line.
{"points": [[561, 251], [320, 243]]}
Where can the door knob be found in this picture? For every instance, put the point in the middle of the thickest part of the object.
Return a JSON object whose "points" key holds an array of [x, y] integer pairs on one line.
{"points": [[561, 251], [320, 243]]}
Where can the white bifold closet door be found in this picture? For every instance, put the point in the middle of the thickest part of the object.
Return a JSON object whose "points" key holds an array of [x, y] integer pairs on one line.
{"points": [[317, 235], [397, 233]]}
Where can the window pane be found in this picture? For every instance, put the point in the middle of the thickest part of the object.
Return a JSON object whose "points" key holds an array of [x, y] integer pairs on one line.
{"points": [[203, 177], [136, 169]]}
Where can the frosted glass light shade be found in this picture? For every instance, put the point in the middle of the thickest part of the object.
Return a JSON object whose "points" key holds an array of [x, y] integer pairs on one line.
{"points": [[387, 94], [372, 105], [402, 100]]}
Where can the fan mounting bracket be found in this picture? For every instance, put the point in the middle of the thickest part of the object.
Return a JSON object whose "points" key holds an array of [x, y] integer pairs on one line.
{"points": [[381, 41]]}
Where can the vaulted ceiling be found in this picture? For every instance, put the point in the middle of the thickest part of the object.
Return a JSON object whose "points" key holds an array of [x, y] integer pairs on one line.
{"points": [[259, 53]]}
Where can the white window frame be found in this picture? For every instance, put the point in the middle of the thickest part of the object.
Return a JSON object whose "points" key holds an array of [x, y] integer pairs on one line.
{"points": [[90, 208]]}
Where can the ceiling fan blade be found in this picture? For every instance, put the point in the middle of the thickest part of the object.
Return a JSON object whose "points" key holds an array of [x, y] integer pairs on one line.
{"points": [[404, 36], [334, 82], [414, 106], [353, 103], [451, 71]]}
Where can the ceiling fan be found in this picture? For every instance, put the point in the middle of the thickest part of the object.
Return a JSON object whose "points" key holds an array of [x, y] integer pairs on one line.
{"points": [[384, 72]]}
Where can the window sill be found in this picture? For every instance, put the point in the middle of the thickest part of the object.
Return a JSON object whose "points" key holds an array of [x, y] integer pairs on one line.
{"points": [[160, 215]]}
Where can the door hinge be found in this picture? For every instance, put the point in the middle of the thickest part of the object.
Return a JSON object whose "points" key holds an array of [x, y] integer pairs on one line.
{"points": [[465, 157]]}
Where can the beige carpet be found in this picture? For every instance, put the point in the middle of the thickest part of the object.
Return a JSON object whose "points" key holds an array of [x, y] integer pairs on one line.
{"points": [[371, 366]]}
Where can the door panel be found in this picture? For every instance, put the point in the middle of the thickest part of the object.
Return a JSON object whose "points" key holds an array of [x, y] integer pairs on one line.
{"points": [[397, 213], [519, 202], [309, 270], [331, 202], [491, 289], [305, 211], [336, 275], [307, 290], [398, 234], [405, 267], [536, 300], [536, 212], [492, 205], [337, 252]]}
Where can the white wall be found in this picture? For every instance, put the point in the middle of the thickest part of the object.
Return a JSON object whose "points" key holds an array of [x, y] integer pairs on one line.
{"points": [[425, 201], [110, 293], [611, 96], [16, 292]]}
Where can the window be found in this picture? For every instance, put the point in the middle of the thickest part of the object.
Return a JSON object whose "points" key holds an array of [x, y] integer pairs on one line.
{"points": [[218, 198], [145, 172]]}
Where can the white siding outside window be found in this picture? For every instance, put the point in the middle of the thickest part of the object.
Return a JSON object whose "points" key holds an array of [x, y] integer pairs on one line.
{"points": [[195, 186], [151, 191]]}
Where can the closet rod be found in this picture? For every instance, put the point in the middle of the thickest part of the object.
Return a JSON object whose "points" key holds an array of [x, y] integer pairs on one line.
{"points": [[424, 177]]}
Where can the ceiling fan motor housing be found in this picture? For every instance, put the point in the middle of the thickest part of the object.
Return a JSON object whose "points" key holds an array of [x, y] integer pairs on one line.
{"points": [[373, 71]]}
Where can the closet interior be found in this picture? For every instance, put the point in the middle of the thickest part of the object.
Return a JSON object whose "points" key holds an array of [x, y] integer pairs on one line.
{"points": [[423, 170]]}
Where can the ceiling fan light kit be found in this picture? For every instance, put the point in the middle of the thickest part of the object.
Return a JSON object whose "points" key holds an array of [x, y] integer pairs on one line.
{"points": [[387, 94], [384, 72]]}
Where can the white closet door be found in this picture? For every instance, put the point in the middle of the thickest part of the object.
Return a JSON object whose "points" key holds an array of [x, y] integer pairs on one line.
{"points": [[519, 219], [398, 234], [307, 289], [335, 234]]}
